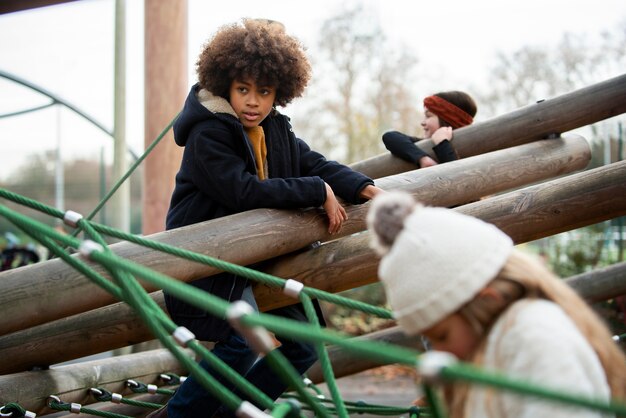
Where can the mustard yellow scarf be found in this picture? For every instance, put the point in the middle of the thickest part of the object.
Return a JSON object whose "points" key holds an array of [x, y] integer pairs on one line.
{"points": [[257, 140]]}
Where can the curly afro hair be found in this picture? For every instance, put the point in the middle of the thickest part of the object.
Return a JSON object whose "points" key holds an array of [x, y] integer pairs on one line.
{"points": [[259, 50]]}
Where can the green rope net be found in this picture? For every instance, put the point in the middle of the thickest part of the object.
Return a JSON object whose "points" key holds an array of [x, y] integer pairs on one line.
{"points": [[125, 286]]}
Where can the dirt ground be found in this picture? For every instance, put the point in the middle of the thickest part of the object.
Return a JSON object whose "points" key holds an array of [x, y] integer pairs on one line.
{"points": [[390, 386]]}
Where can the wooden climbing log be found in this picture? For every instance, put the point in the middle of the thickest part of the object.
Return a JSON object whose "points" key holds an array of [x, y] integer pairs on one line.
{"points": [[600, 284], [51, 290], [594, 286], [106, 328], [556, 115], [71, 382], [349, 259]]}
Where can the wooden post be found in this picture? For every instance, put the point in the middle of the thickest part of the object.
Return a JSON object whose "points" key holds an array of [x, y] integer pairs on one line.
{"points": [[557, 115], [165, 91], [47, 291], [349, 259]]}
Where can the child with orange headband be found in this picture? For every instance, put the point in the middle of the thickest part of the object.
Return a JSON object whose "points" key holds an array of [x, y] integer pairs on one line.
{"points": [[443, 112]]}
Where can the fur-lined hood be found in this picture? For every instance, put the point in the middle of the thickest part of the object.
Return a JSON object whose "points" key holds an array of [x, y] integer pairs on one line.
{"points": [[215, 104], [202, 107]]}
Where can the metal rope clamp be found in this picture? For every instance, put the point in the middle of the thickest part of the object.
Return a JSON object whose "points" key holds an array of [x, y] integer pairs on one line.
{"points": [[72, 218], [182, 335], [27, 414], [258, 337], [87, 247], [249, 410]]}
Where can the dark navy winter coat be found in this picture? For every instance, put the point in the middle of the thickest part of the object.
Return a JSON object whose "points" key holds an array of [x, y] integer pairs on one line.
{"points": [[217, 177]]}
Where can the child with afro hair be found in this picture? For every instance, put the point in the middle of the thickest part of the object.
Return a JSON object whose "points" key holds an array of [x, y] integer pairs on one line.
{"points": [[242, 154]]}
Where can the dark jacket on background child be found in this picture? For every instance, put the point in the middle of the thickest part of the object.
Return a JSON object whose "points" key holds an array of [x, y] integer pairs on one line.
{"points": [[403, 146]]}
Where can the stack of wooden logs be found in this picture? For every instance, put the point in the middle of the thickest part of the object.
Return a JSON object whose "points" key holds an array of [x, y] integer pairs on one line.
{"points": [[53, 314]]}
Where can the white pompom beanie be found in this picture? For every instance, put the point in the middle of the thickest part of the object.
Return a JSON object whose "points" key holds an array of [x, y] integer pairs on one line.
{"points": [[439, 261]]}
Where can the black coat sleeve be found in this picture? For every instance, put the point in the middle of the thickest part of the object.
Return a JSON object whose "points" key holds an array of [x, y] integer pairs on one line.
{"points": [[445, 152], [402, 146], [345, 182]]}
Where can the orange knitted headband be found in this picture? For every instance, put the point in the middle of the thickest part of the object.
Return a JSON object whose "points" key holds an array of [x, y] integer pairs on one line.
{"points": [[452, 114]]}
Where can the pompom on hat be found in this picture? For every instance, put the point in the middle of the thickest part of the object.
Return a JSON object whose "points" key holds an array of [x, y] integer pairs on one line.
{"points": [[434, 260]]}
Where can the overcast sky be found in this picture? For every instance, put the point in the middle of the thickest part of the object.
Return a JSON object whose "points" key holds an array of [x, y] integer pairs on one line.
{"points": [[68, 50]]}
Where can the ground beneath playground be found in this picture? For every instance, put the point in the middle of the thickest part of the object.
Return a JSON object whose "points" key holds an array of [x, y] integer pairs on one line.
{"points": [[388, 385]]}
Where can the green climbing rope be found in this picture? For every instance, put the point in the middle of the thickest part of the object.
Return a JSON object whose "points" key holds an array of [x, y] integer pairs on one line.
{"points": [[260, 277]]}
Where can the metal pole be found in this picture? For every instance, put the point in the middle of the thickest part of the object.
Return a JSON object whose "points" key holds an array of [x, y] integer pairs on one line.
{"points": [[103, 183], [120, 202], [620, 220], [59, 178]]}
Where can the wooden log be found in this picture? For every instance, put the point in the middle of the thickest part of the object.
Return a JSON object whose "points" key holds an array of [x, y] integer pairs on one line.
{"points": [[600, 284], [71, 382], [47, 291], [92, 332], [594, 286], [530, 123], [559, 205], [348, 258]]}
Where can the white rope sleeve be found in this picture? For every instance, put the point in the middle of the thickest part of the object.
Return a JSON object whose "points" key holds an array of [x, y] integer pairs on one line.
{"points": [[293, 288], [431, 363], [248, 410], [182, 335], [72, 218], [87, 247], [259, 338]]}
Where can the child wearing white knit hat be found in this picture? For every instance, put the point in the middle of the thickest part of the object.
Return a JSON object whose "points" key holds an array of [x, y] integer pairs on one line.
{"points": [[459, 282]]}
